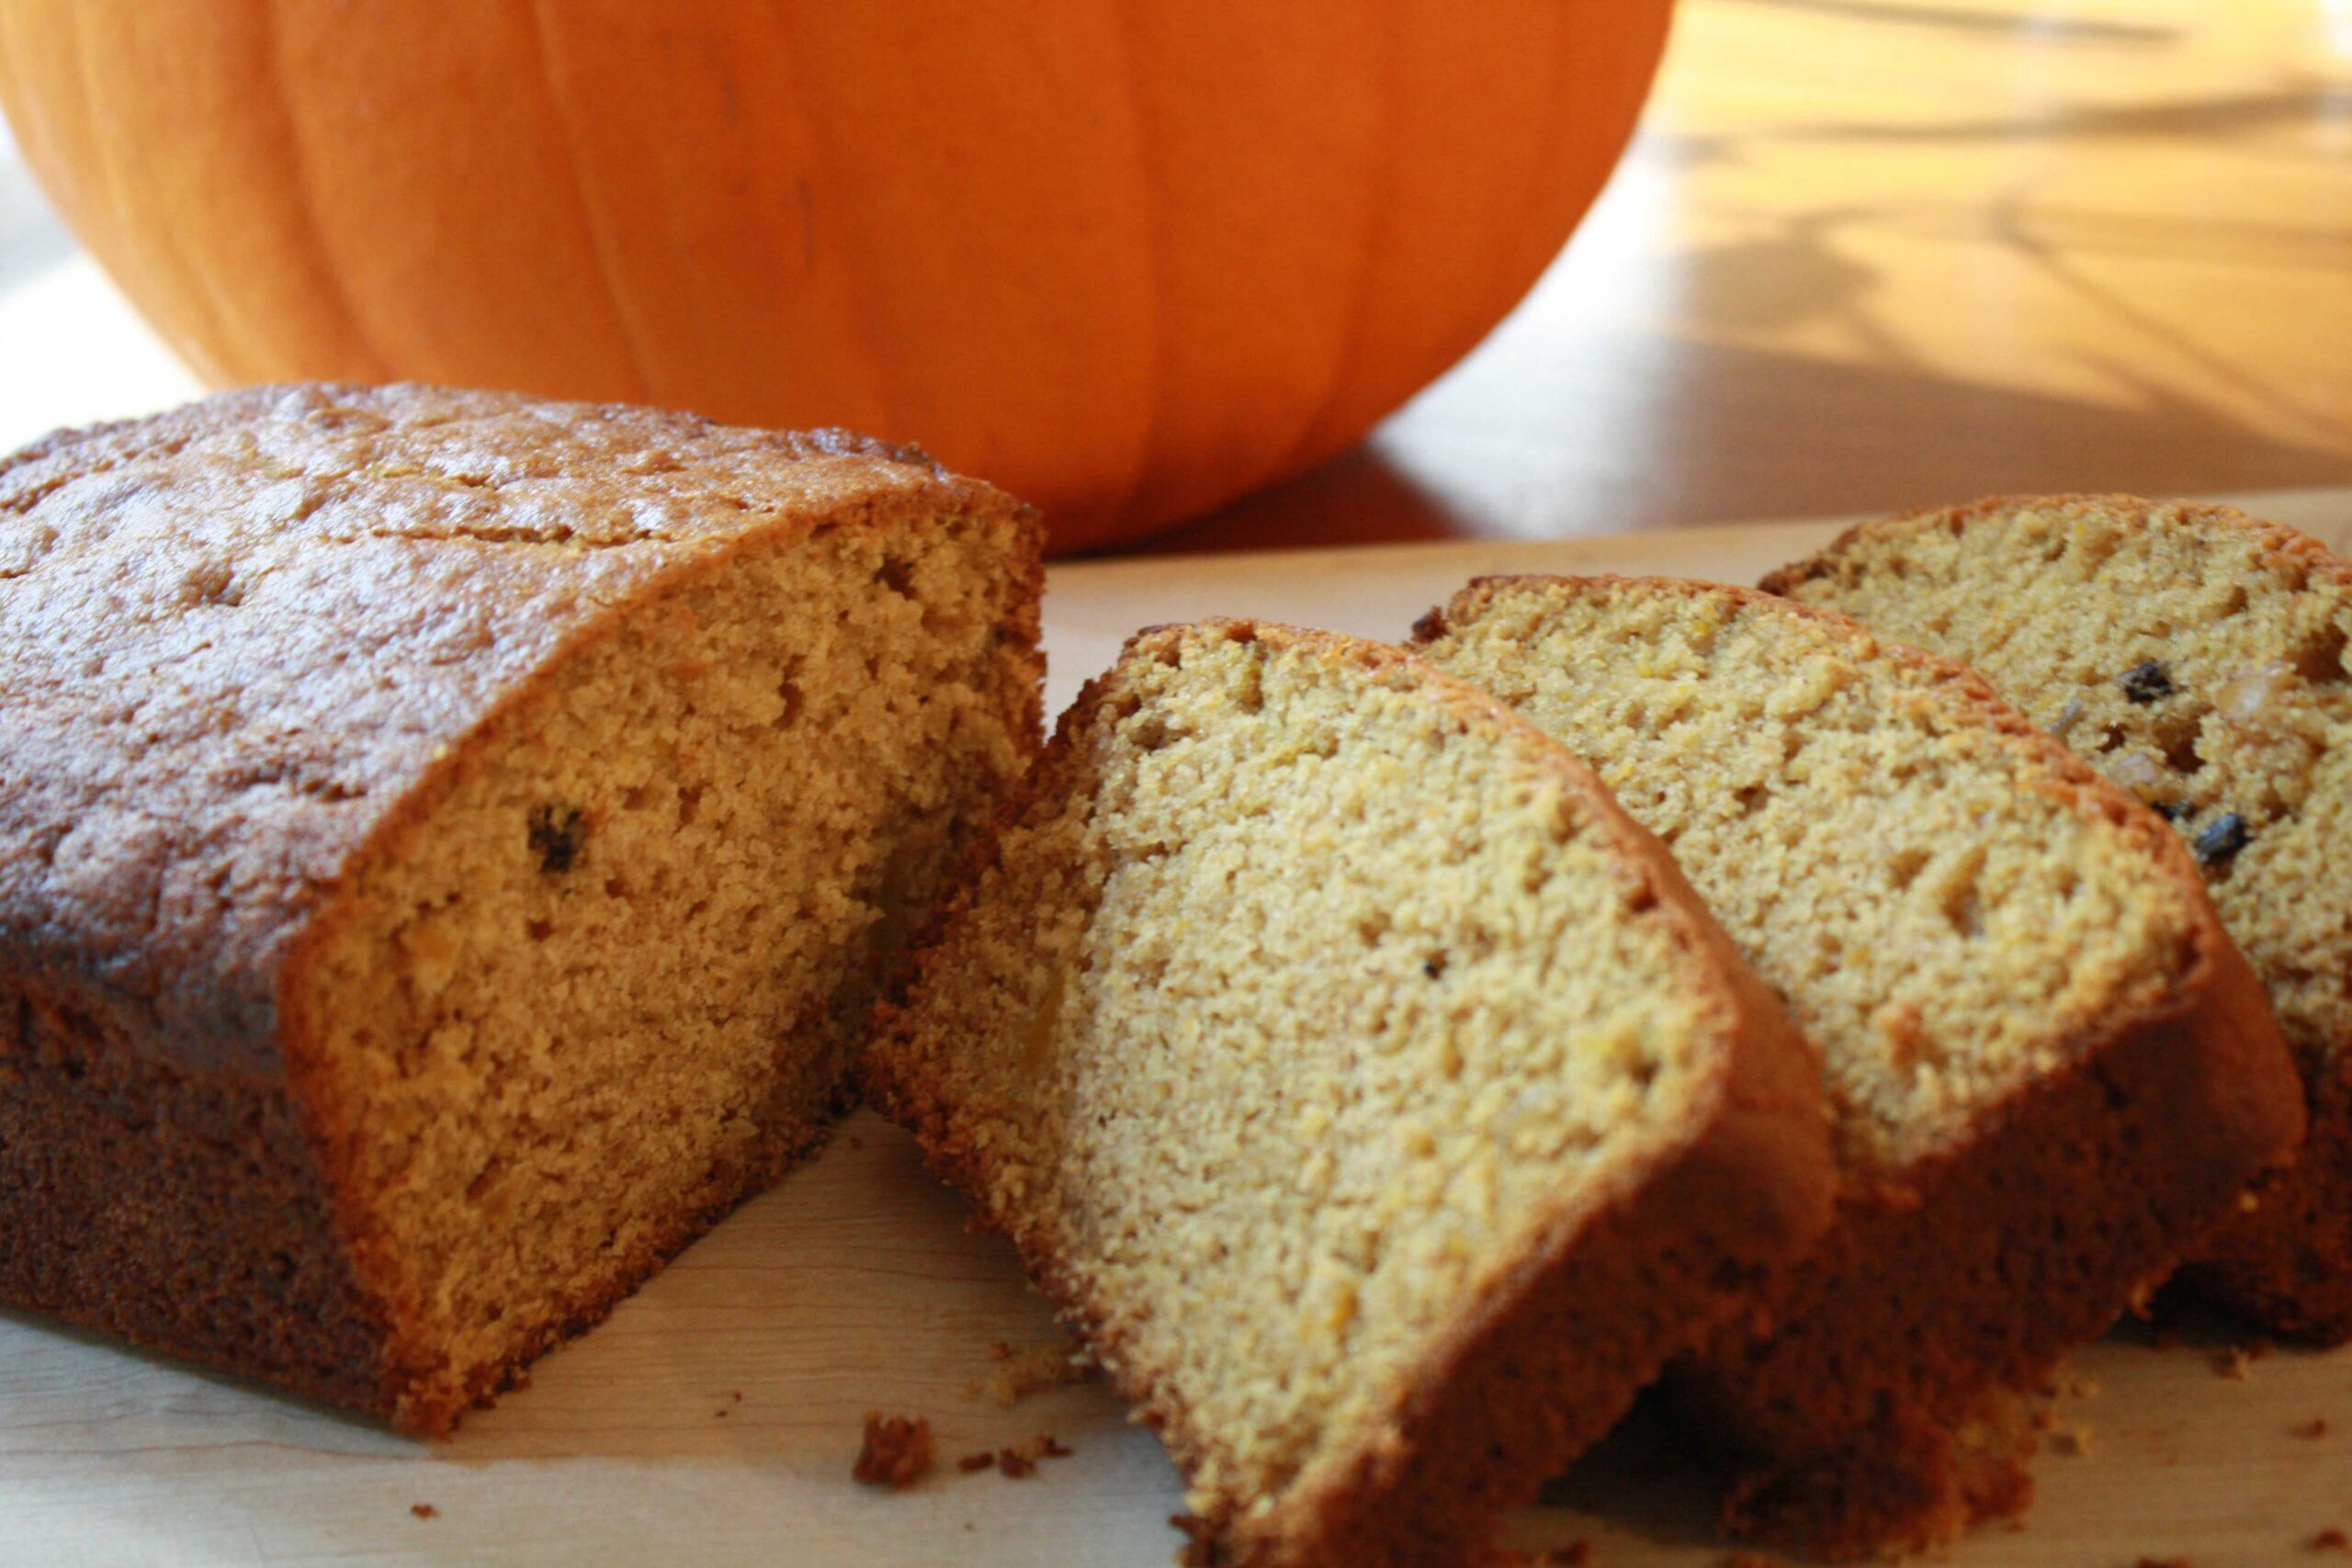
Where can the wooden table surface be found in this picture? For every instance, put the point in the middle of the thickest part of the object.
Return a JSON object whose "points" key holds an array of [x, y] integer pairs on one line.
{"points": [[714, 1418], [1866, 253], [1870, 254]]}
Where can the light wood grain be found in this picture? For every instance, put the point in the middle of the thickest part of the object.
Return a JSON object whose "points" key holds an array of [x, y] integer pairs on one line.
{"points": [[855, 1287]]}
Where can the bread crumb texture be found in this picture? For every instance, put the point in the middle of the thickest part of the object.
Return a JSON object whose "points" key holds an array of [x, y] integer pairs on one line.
{"points": [[2194, 656], [1944, 912], [529, 794], [1299, 1010], [589, 1031]]}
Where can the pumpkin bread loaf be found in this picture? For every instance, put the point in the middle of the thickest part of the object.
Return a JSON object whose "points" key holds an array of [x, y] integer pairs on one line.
{"points": [[447, 843], [2051, 1072], [1363, 1085], [2196, 656]]}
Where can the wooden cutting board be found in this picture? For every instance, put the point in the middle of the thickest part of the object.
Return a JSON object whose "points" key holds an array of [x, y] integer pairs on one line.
{"points": [[714, 1418]]}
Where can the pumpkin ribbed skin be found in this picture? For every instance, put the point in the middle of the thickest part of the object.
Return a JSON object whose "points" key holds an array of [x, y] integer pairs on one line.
{"points": [[1130, 258]]}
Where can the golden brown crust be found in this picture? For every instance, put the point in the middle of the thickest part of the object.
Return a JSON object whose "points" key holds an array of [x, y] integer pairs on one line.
{"points": [[1539, 1370], [2130, 510], [1980, 1268], [182, 1212], [246, 645], [2288, 1263], [1977, 1270], [425, 550], [1705, 1239]]}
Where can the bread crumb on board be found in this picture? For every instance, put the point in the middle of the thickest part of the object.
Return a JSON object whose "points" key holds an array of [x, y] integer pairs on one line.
{"points": [[424, 1510], [2237, 1362], [897, 1452], [1022, 1460], [2330, 1539], [1016, 1374], [1199, 1549], [2314, 1427], [1018, 1461]]}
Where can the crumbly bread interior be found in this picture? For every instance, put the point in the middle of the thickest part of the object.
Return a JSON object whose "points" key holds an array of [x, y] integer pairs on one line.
{"points": [[2195, 659], [1295, 1015], [1939, 909], [612, 977]]}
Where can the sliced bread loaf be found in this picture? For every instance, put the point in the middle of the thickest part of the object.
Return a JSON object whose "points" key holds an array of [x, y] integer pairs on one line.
{"points": [[2050, 1070], [1362, 1083], [447, 845], [2196, 656]]}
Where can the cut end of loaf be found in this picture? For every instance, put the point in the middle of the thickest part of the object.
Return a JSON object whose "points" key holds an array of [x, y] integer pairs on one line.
{"points": [[2198, 659], [1948, 906], [2194, 656], [1312, 1011], [606, 980], [2050, 1070]]}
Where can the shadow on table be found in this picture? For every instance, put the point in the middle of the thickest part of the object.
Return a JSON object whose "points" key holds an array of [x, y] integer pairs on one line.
{"points": [[1656, 1478], [1358, 498], [1566, 444], [83, 1367], [1646, 1478]]}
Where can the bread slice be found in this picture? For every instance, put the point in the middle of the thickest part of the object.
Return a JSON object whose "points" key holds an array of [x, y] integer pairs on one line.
{"points": [[448, 847], [1367, 1088], [2196, 656], [2050, 1070]]}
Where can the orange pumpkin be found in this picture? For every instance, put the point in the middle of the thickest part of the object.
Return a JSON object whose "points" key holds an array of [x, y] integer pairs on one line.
{"points": [[1129, 258]]}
